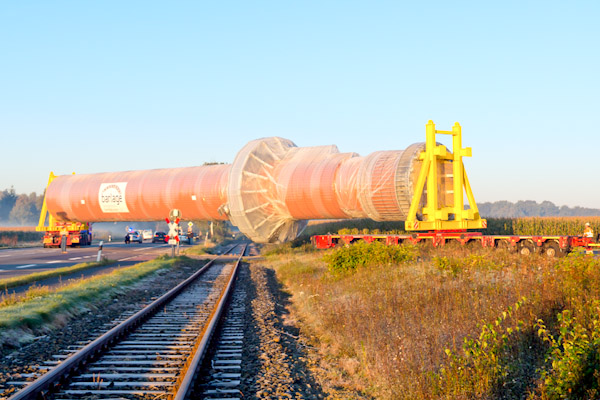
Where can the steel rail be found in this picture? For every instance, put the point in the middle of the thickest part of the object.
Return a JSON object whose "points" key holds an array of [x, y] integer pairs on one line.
{"points": [[60, 375], [186, 381]]}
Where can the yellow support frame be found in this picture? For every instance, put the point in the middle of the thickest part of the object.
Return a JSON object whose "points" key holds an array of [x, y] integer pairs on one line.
{"points": [[446, 218], [53, 225]]}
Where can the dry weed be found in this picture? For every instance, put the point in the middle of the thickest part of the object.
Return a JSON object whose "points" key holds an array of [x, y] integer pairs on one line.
{"points": [[391, 328]]}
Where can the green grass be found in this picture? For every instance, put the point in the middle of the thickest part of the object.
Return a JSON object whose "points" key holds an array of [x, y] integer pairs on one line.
{"points": [[38, 276], [34, 312], [199, 250], [363, 254]]}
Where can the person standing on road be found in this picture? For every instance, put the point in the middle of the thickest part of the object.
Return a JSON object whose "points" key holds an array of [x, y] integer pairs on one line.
{"points": [[63, 240]]}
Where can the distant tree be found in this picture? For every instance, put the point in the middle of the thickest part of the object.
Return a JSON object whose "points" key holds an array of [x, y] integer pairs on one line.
{"points": [[7, 202], [548, 209], [26, 210], [40, 200], [221, 230]]}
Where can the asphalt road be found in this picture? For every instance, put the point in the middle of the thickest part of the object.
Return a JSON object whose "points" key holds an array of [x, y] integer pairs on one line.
{"points": [[14, 262]]}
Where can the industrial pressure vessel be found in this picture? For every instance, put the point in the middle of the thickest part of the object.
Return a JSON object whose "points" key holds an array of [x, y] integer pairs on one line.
{"points": [[269, 191]]}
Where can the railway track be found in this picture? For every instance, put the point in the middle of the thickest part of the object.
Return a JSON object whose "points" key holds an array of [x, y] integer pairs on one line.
{"points": [[154, 353]]}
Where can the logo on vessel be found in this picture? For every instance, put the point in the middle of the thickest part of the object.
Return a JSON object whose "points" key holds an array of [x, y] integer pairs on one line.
{"points": [[112, 197]]}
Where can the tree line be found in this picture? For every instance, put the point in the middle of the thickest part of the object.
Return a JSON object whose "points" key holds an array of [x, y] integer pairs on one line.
{"points": [[20, 209], [530, 208]]}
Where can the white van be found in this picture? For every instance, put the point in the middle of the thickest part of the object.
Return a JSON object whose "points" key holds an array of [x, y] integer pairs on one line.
{"points": [[147, 234]]}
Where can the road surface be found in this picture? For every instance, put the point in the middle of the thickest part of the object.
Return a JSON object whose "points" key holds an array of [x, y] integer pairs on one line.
{"points": [[15, 262]]}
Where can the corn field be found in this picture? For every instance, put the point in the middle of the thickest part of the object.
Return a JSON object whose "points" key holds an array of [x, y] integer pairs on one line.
{"points": [[554, 225]]}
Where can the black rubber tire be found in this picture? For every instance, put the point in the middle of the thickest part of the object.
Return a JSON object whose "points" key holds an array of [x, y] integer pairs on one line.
{"points": [[503, 244], [552, 249], [526, 248], [474, 244]]}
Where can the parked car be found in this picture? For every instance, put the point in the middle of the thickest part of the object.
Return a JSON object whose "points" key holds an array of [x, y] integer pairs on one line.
{"points": [[147, 234], [159, 237], [135, 236]]}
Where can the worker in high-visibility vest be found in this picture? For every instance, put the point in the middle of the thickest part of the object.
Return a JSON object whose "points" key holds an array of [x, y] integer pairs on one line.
{"points": [[588, 231]]}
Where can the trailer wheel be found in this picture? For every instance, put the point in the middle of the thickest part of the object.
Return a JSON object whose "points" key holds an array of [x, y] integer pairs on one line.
{"points": [[552, 249], [474, 244], [526, 248], [502, 244]]}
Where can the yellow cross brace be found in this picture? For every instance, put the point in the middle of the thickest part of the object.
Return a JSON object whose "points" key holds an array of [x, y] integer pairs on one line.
{"points": [[435, 217]]}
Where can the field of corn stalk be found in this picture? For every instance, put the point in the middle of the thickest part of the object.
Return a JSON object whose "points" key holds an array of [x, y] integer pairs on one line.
{"points": [[553, 225]]}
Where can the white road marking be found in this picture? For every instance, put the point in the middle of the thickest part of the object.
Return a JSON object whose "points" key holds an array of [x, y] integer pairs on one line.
{"points": [[75, 258], [143, 248], [88, 256], [128, 258], [53, 261], [26, 266], [7, 255]]}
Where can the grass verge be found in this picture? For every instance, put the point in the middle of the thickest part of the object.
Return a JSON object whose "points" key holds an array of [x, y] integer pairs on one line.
{"points": [[34, 312], [38, 276], [200, 249]]}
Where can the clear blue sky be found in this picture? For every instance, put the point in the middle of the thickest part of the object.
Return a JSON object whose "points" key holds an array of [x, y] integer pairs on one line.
{"points": [[120, 85]]}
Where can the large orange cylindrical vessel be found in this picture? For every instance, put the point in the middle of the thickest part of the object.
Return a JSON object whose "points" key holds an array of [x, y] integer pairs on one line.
{"points": [[139, 195], [305, 180], [268, 192]]}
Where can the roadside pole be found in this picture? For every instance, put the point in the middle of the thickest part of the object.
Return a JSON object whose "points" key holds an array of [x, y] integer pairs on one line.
{"points": [[100, 251]]}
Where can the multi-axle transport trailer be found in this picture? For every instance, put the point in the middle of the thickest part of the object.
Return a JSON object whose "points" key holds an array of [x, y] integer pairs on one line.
{"points": [[76, 233], [552, 246]]}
